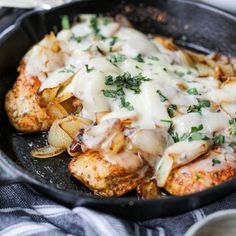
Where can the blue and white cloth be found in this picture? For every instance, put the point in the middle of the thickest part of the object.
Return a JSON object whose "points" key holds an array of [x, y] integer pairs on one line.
{"points": [[25, 212]]}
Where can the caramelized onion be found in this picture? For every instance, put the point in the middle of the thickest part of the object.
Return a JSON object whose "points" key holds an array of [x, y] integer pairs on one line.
{"points": [[47, 151], [57, 137]]}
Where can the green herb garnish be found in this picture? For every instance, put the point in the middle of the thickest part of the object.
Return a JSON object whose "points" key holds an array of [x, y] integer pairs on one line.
{"points": [[105, 20], [78, 110], [233, 129], [167, 121], [192, 91], [100, 51], [196, 129], [65, 22], [112, 43], [69, 69], [139, 58], [171, 109], [110, 93], [191, 136], [88, 69], [215, 162], [154, 58], [232, 144], [114, 58], [162, 97], [197, 136], [179, 73], [198, 177], [121, 82], [94, 26], [219, 139], [198, 108], [126, 104]]}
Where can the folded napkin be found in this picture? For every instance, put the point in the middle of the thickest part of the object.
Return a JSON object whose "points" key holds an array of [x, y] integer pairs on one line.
{"points": [[23, 211]]}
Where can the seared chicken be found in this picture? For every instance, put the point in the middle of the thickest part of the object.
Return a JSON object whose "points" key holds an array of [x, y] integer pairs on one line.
{"points": [[105, 178], [212, 169], [22, 107]]}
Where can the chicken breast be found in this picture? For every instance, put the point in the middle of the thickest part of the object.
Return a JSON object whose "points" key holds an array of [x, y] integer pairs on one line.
{"points": [[22, 107], [104, 177], [212, 169]]}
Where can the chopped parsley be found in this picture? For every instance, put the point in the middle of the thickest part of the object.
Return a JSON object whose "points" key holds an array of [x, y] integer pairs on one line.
{"points": [[198, 108], [126, 104], [191, 136], [219, 139], [154, 58], [78, 110], [88, 69], [232, 144], [215, 162], [198, 177], [196, 129], [174, 135], [192, 91], [100, 51], [105, 20], [78, 39], [114, 58], [167, 121], [233, 129], [69, 69], [162, 97], [179, 73], [139, 58], [171, 110], [110, 93], [112, 43], [94, 26], [65, 22], [121, 82], [197, 136]]}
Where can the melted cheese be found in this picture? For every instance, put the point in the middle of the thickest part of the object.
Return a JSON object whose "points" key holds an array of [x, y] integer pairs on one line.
{"points": [[168, 72]]}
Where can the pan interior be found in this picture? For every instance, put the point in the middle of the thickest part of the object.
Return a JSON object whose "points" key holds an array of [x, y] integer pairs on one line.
{"points": [[166, 19]]}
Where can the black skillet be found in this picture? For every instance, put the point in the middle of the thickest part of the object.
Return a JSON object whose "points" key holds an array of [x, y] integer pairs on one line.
{"points": [[191, 24]]}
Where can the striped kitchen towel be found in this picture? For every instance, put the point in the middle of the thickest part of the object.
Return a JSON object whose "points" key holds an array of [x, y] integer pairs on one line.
{"points": [[23, 211]]}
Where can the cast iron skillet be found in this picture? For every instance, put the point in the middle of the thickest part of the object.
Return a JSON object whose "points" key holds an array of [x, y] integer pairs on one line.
{"points": [[204, 28]]}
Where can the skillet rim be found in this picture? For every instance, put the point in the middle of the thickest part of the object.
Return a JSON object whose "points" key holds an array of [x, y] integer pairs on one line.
{"points": [[26, 177]]}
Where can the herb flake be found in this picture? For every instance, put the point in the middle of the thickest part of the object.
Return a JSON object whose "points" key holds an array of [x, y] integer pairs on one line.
{"points": [[215, 162], [65, 22], [162, 97]]}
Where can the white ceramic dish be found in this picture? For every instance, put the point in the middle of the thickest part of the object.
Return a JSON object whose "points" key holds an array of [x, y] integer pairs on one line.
{"points": [[219, 223]]}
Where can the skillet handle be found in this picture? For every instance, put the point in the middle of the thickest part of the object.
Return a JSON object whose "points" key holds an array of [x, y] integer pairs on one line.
{"points": [[9, 174]]}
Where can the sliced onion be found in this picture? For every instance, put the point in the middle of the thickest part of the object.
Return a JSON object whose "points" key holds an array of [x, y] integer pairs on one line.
{"points": [[177, 155], [72, 125], [163, 170], [56, 111], [47, 95], [64, 97], [57, 137], [99, 115], [47, 151]]}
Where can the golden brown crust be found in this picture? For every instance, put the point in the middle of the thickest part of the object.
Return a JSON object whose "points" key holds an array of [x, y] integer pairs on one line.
{"points": [[103, 177], [22, 107], [190, 178]]}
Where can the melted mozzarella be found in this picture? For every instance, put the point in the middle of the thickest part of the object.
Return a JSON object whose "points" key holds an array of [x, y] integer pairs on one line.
{"points": [[168, 72]]}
